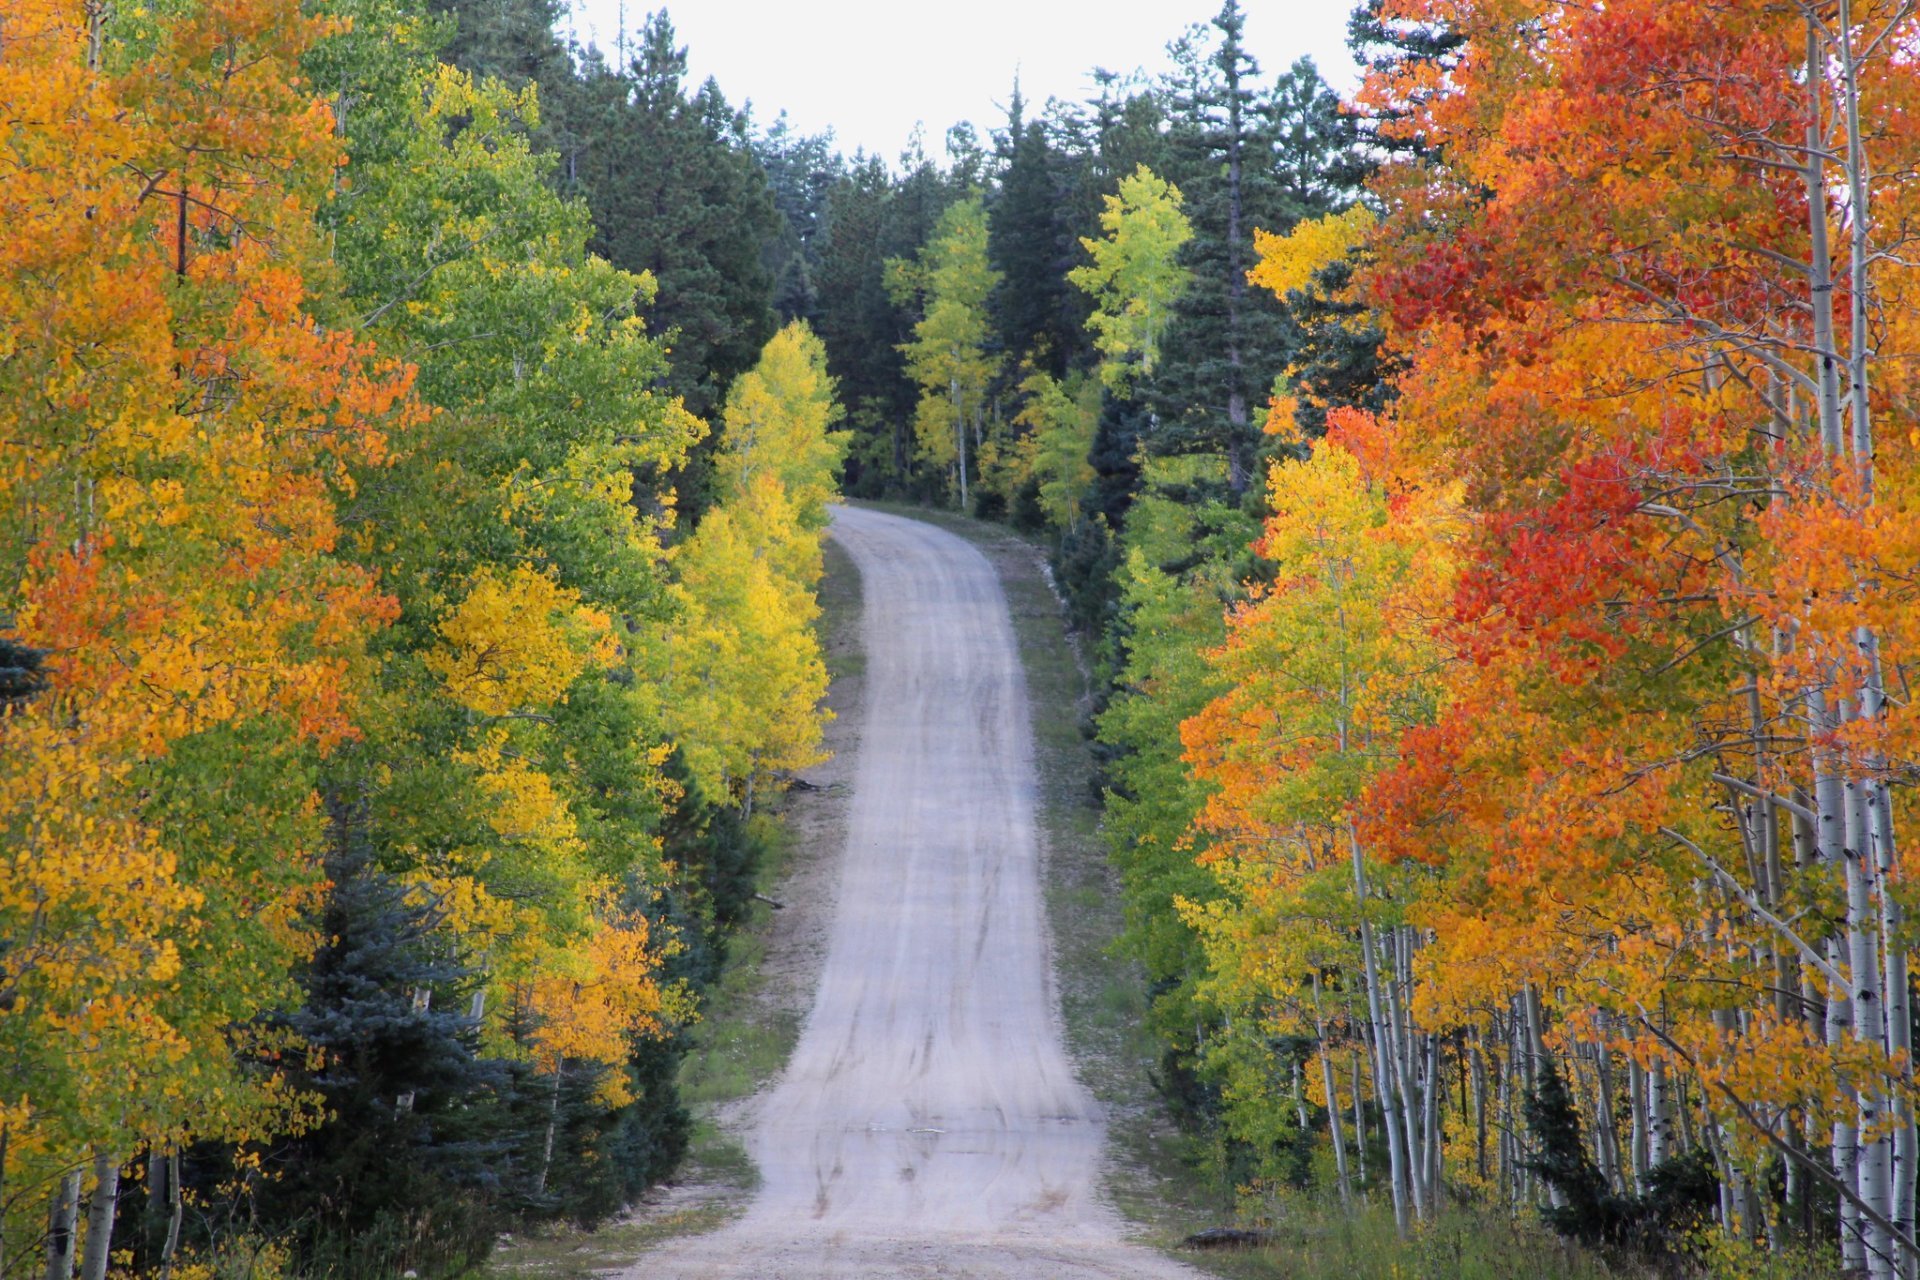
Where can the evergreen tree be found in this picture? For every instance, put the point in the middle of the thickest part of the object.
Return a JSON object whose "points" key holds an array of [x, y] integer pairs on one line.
{"points": [[20, 673], [512, 41], [862, 327], [1383, 43], [1026, 243], [802, 172], [670, 176], [675, 191], [1247, 158], [401, 1173], [874, 217]]}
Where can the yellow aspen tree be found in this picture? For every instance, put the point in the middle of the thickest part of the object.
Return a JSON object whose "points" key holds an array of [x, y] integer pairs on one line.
{"points": [[951, 279]]}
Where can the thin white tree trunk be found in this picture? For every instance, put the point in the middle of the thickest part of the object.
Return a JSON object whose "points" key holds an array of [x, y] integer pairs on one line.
{"points": [[1659, 1132], [1333, 1095], [176, 1206], [100, 1215], [1637, 1107], [1359, 1124], [63, 1227], [553, 1124], [1400, 1063]]}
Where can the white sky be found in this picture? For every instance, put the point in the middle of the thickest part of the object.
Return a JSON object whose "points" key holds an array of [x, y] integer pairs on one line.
{"points": [[871, 69]]}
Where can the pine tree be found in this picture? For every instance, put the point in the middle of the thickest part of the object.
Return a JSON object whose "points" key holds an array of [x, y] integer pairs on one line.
{"points": [[675, 192], [1248, 159], [862, 327], [410, 1140], [802, 172], [1026, 242]]}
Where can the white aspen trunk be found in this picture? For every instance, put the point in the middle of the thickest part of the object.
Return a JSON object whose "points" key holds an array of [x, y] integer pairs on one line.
{"points": [[1887, 1164], [1359, 1123], [1430, 1102], [63, 1227], [959, 433], [1794, 1178], [553, 1123], [1518, 1056], [1377, 1032], [1683, 1111], [1537, 1062], [1728, 1178], [1477, 1064], [1386, 1093], [1899, 1020], [1402, 1066], [1827, 783], [1509, 1182], [100, 1214], [1820, 263], [1333, 1096], [1874, 1159], [175, 1208], [1860, 230], [1637, 1108], [1333, 1127], [1659, 1134], [1604, 1119]]}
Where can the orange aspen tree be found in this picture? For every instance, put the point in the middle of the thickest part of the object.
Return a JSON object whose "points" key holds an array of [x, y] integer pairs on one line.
{"points": [[1680, 602], [179, 430]]}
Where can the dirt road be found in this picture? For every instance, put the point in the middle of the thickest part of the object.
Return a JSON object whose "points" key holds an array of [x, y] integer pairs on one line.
{"points": [[929, 1123]]}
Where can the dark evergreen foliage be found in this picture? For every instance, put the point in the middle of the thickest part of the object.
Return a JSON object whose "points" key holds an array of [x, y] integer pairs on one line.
{"points": [[1027, 242], [675, 191], [1247, 157], [802, 172], [21, 677], [412, 1149], [1336, 351], [1681, 1191]]}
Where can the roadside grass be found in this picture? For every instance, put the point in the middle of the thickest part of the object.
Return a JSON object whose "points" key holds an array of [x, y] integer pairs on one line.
{"points": [[841, 600], [572, 1254], [744, 1038], [1156, 1175]]}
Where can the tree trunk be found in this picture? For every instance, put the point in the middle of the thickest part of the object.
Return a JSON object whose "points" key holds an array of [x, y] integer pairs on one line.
{"points": [[175, 1206], [63, 1225], [100, 1214], [553, 1124], [1659, 1130], [1384, 1084], [1326, 1080]]}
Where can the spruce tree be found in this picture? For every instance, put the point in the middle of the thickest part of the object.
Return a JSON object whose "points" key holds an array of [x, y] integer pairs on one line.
{"points": [[20, 674], [400, 1173], [1025, 241], [675, 191], [1247, 156], [802, 171]]}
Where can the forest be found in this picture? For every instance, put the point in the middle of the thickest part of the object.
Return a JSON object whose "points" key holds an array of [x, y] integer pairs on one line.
{"points": [[1487, 506]]}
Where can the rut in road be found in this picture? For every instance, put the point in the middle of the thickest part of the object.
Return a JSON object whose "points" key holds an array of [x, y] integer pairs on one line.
{"points": [[929, 1123]]}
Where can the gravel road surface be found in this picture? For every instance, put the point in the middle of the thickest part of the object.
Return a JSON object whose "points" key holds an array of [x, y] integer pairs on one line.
{"points": [[929, 1123]]}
